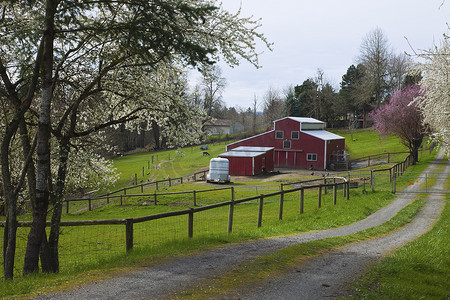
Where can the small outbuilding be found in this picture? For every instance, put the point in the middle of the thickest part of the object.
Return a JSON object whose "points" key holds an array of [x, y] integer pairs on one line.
{"points": [[249, 161]]}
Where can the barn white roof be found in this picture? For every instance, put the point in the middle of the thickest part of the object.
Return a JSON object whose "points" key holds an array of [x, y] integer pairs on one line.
{"points": [[323, 135], [305, 120], [241, 154]]}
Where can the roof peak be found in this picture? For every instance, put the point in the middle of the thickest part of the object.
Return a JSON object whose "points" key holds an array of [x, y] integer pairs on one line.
{"points": [[302, 120]]}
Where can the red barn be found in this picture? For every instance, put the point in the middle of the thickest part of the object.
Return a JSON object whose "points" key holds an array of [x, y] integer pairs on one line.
{"points": [[299, 143], [249, 160]]}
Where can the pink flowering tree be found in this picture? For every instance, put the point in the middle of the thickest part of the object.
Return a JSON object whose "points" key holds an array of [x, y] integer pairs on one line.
{"points": [[401, 117]]}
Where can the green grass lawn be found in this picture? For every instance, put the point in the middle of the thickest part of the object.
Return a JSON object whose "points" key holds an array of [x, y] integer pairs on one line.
{"points": [[367, 142], [161, 164]]}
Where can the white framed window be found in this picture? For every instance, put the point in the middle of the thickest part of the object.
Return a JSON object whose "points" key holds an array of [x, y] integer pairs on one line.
{"points": [[279, 134], [311, 157], [287, 144], [295, 135]]}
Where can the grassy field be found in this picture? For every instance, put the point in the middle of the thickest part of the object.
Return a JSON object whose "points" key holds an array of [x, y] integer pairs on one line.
{"points": [[102, 247], [367, 142], [159, 165]]}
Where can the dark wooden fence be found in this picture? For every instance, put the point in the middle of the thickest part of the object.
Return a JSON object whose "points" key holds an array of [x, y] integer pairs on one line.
{"points": [[154, 195], [198, 176], [129, 222], [369, 160], [321, 184]]}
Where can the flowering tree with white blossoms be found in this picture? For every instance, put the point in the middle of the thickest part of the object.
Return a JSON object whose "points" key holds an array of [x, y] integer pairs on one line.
{"points": [[71, 67], [435, 104]]}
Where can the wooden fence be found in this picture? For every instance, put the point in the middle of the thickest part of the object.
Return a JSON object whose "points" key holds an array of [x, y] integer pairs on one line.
{"points": [[321, 184], [154, 195], [129, 222], [198, 176], [394, 172], [373, 159]]}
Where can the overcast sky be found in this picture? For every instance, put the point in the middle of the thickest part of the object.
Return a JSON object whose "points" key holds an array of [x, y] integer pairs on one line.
{"points": [[326, 34]]}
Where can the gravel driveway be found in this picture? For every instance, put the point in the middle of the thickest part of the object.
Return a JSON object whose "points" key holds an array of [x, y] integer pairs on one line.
{"points": [[321, 277]]}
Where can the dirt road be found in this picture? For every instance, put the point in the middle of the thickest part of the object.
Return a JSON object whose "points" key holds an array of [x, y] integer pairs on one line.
{"points": [[320, 277]]}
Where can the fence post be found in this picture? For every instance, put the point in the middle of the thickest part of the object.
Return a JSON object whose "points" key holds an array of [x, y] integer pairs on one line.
{"points": [[67, 206], [231, 212], [107, 199], [135, 179], [124, 191], [394, 179], [129, 233], [320, 196], [195, 198], [181, 180], [426, 182], [388, 160], [143, 171], [368, 164], [260, 209], [142, 188], [325, 182], [170, 182], [121, 200], [348, 190], [156, 185], [90, 205], [371, 180], [191, 223], [280, 213], [302, 198], [334, 194], [195, 176]]}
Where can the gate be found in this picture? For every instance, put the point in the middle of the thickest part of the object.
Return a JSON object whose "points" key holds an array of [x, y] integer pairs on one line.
{"points": [[425, 182]]}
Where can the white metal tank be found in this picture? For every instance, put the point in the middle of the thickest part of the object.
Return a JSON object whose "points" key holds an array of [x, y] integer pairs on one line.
{"points": [[218, 170]]}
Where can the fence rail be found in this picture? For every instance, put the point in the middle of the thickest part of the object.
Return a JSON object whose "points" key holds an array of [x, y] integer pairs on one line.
{"points": [[154, 195], [198, 176], [129, 222], [369, 160]]}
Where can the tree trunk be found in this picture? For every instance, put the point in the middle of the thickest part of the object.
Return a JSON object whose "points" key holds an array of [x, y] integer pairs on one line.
{"points": [[35, 237], [31, 172], [156, 134], [49, 250], [9, 237], [415, 150]]}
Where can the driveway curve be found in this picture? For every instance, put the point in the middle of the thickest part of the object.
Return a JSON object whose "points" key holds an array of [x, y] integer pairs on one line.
{"points": [[321, 277]]}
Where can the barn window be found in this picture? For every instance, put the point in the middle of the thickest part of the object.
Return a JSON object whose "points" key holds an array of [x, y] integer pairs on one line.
{"points": [[311, 156], [279, 134], [295, 135], [287, 144]]}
